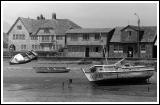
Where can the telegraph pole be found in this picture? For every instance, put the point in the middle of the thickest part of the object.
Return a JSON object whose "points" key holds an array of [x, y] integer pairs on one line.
{"points": [[138, 34]]}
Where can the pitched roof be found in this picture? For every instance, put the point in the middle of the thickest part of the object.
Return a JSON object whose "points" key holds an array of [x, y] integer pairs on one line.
{"points": [[90, 30], [59, 25], [116, 37], [149, 35], [133, 27]]}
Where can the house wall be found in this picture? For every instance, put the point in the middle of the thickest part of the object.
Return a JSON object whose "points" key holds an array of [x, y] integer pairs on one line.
{"points": [[80, 40], [80, 51], [19, 42], [115, 54], [126, 37], [149, 51], [143, 54]]}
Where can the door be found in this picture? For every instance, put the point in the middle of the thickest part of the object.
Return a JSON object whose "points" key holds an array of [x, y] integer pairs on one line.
{"points": [[87, 52], [130, 52], [154, 51]]}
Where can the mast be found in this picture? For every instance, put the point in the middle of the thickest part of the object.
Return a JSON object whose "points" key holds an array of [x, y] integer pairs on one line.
{"points": [[103, 48], [138, 34]]}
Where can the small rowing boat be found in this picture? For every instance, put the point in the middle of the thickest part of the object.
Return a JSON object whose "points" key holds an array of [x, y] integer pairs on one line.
{"points": [[51, 69]]}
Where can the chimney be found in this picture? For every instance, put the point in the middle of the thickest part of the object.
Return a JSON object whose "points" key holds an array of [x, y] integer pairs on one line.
{"points": [[53, 15]]}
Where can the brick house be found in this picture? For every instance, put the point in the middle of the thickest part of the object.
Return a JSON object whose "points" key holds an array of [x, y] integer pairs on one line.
{"points": [[39, 34], [124, 42], [87, 42]]}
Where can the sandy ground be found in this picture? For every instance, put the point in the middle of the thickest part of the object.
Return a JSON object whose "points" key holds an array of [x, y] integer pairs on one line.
{"points": [[22, 84]]}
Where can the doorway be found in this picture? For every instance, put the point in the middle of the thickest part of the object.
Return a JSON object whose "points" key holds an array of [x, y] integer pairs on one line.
{"points": [[154, 51], [87, 52], [12, 47], [130, 51]]}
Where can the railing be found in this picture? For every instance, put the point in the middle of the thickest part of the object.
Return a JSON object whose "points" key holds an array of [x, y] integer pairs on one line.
{"points": [[47, 41]]}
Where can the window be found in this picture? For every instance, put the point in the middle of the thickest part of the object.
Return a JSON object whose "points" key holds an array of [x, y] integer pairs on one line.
{"points": [[46, 30], [59, 37], [74, 38], [14, 36], [143, 48], [32, 46], [23, 46], [96, 49], [115, 48], [118, 49], [52, 38], [85, 36], [34, 38], [19, 27], [23, 36], [97, 36], [130, 32], [45, 38]]}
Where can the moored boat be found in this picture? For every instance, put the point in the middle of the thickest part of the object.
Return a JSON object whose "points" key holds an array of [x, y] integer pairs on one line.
{"points": [[51, 69], [31, 55], [118, 72], [20, 58]]}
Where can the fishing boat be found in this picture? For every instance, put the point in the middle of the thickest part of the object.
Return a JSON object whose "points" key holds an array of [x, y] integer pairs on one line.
{"points": [[118, 72], [51, 69], [20, 58]]}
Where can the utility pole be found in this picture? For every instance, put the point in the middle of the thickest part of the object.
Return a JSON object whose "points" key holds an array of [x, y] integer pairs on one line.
{"points": [[138, 34]]}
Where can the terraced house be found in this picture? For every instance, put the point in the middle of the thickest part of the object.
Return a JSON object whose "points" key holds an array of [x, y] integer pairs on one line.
{"points": [[87, 42], [133, 42], [39, 34]]}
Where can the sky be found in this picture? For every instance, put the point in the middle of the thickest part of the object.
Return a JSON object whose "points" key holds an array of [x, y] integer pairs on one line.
{"points": [[87, 15]]}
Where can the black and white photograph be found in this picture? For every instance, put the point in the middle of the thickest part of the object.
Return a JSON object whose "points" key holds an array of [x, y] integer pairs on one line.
{"points": [[80, 52]]}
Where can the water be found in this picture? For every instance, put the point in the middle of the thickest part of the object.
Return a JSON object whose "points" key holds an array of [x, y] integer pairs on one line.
{"points": [[23, 84]]}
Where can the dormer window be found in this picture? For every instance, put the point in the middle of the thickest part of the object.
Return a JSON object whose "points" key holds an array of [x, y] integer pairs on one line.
{"points": [[19, 27]]}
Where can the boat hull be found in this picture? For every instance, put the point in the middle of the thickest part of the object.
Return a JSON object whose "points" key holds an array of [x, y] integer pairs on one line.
{"points": [[119, 76], [51, 69]]}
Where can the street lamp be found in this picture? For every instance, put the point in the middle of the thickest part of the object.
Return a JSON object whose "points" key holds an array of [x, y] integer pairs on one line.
{"points": [[138, 34]]}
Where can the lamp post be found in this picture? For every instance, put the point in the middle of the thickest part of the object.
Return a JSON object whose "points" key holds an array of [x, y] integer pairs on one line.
{"points": [[138, 34]]}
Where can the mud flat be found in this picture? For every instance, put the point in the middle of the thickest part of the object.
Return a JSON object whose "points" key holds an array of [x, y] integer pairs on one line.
{"points": [[22, 84]]}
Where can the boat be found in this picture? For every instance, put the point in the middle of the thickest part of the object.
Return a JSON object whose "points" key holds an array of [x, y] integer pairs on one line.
{"points": [[31, 55], [20, 58], [51, 69], [34, 53], [118, 72]]}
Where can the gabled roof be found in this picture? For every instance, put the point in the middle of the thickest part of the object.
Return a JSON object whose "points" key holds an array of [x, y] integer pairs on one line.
{"points": [[133, 27], [90, 30], [59, 25], [149, 35]]}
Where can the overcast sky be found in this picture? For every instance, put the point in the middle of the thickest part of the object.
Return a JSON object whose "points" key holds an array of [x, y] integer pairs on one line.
{"points": [[92, 15]]}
